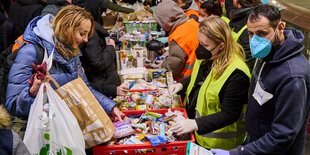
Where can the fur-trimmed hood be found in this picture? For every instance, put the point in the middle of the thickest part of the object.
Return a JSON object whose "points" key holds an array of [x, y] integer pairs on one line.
{"points": [[4, 118]]}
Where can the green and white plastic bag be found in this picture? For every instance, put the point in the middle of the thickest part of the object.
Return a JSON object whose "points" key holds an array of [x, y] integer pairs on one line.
{"points": [[51, 127]]}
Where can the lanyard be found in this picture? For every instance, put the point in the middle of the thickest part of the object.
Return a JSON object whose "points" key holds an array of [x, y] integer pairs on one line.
{"points": [[261, 69]]}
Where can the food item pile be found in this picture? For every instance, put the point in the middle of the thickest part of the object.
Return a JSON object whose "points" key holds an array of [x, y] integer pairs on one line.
{"points": [[145, 100], [149, 127]]}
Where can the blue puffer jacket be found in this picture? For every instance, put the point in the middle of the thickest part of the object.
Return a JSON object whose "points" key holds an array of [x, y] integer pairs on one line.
{"points": [[39, 32], [279, 125]]}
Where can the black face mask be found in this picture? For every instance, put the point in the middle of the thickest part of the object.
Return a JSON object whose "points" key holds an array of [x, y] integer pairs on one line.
{"points": [[203, 53]]}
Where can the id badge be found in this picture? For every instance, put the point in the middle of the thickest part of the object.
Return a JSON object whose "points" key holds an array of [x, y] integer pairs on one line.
{"points": [[260, 95]]}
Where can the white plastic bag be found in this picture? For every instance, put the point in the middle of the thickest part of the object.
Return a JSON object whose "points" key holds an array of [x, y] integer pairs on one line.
{"points": [[51, 127]]}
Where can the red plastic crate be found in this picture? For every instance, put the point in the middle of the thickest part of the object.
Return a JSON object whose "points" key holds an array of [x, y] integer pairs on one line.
{"points": [[173, 148], [139, 90]]}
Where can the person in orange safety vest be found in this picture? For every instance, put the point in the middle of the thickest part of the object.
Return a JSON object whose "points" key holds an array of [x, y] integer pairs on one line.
{"points": [[182, 39]]}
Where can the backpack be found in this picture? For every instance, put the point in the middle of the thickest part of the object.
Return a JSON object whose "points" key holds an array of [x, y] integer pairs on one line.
{"points": [[7, 58], [19, 42]]}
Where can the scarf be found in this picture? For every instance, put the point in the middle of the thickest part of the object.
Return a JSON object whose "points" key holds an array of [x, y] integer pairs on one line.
{"points": [[65, 49]]}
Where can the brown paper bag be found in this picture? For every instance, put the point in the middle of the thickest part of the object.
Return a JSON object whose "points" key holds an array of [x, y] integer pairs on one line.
{"points": [[96, 125]]}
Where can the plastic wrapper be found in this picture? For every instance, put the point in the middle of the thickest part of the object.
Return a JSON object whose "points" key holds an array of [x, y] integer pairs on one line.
{"points": [[123, 129], [165, 101], [179, 115]]}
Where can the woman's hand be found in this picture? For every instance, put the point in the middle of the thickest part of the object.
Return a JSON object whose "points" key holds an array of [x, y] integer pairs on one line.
{"points": [[34, 89], [117, 115], [184, 126], [175, 88]]}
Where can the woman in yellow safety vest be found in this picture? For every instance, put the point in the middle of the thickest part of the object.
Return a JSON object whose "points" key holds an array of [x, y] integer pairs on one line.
{"points": [[217, 91]]}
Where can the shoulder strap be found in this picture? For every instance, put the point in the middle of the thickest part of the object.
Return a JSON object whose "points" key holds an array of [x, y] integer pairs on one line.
{"points": [[39, 50], [40, 54], [39, 59]]}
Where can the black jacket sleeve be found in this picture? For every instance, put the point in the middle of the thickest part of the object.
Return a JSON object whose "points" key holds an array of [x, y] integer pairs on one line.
{"points": [[185, 82], [108, 4], [107, 90], [99, 55], [233, 95]]}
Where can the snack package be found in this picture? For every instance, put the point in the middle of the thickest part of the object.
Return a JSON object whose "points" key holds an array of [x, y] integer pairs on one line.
{"points": [[149, 99], [123, 129], [155, 140], [165, 101], [136, 98]]}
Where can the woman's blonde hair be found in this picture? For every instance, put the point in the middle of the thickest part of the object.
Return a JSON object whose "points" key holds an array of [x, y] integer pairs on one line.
{"points": [[67, 20], [218, 30]]}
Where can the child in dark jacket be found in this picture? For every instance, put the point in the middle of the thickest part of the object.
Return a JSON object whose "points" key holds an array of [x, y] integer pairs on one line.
{"points": [[10, 142]]}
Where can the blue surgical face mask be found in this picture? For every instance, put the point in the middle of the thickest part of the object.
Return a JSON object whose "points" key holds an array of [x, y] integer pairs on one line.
{"points": [[260, 47]]}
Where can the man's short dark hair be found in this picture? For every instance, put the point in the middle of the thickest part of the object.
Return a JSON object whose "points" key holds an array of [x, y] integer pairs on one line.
{"points": [[270, 12], [212, 7], [248, 3]]}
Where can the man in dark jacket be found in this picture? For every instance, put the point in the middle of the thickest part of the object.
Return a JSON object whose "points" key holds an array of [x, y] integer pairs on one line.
{"points": [[54, 6], [99, 61], [22, 12], [92, 6], [238, 19], [279, 102]]}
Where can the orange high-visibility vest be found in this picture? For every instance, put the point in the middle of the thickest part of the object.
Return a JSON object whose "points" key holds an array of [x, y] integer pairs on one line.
{"points": [[192, 12], [186, 36]]}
